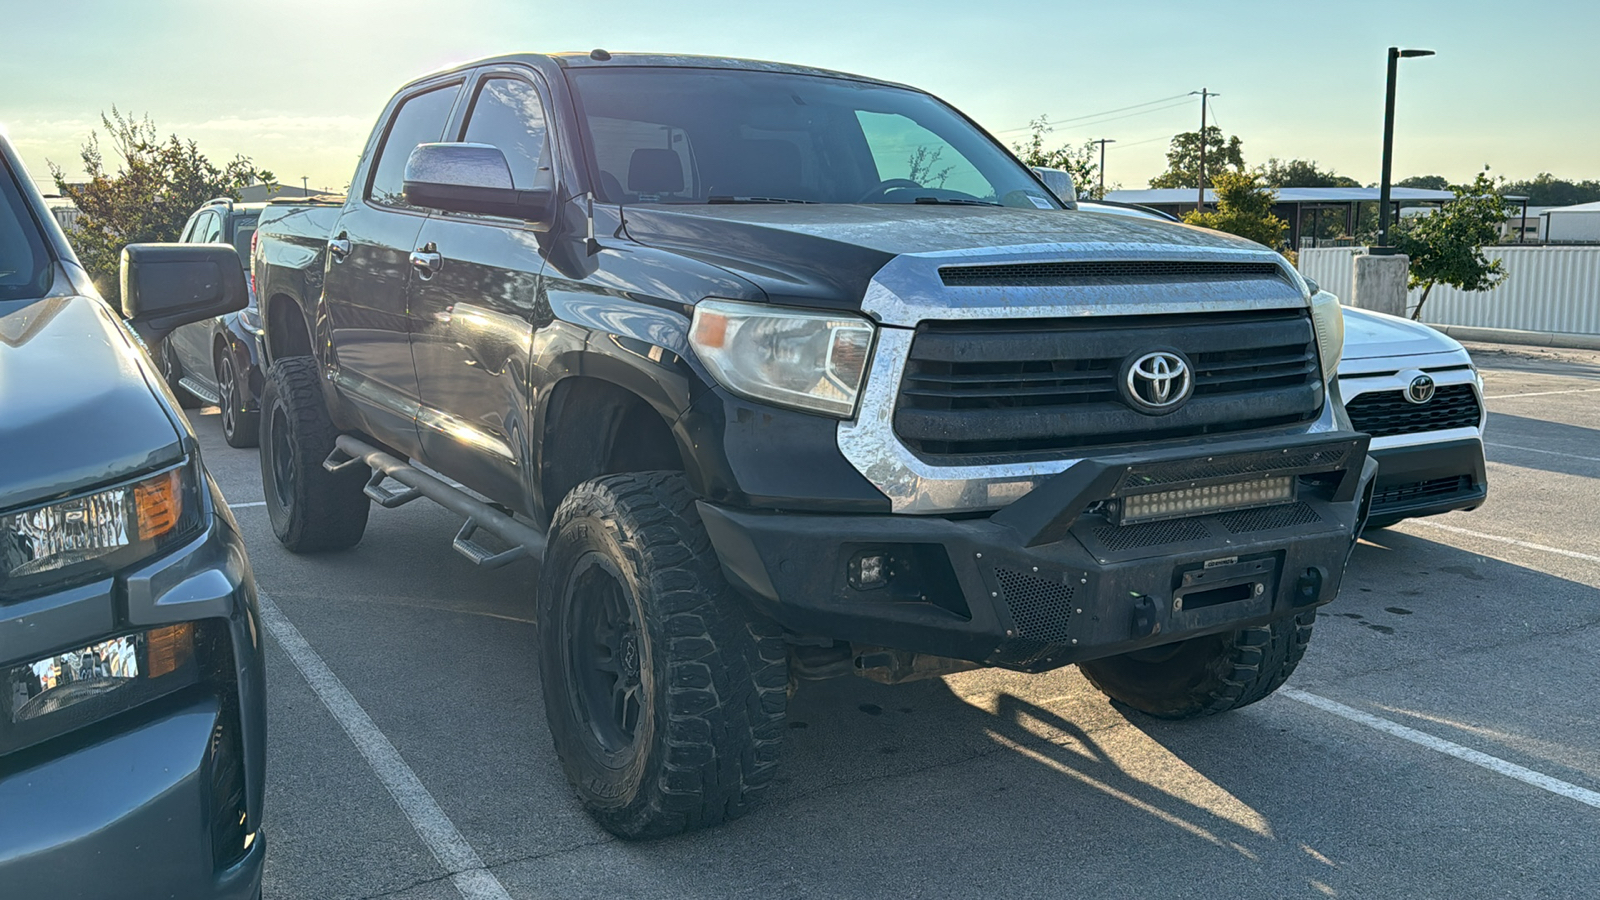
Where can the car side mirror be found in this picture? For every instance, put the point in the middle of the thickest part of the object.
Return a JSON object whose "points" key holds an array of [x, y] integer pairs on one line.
{"points": [[472, 178], [165, 286], [1060, 183], [1311, 285]]}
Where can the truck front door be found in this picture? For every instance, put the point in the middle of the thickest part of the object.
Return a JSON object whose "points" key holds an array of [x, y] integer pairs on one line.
{"points": [[368, 271], [473, 306]]}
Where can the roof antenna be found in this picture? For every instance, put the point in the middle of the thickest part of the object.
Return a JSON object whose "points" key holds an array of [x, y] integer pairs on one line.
{"points": [[599, 55]]}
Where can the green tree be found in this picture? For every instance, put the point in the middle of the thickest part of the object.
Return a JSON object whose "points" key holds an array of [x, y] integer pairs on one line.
{"points": [[1300, 173], [1080, 163], [1547, 190], [149, 196], [1244, 208], [1446, 247], [1223, 154], [1425, 182]]}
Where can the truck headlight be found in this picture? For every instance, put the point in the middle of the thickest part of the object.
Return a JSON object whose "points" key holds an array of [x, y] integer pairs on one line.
{"points": [[1328, 320], [93, 536], [803, 359]]}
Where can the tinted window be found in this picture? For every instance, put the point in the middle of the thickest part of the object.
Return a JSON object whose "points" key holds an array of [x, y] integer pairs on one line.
{"points": [[243, 229], [508, 114], [767, 136], [421, 120], [24, 264]]}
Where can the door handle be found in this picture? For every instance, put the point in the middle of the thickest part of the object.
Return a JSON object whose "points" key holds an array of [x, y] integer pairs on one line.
{"points": [[339, 248], [426, 260]]}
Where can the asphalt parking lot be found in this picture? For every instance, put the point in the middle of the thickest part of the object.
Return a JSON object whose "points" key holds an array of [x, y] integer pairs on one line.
{"points": [[1439, 740]]}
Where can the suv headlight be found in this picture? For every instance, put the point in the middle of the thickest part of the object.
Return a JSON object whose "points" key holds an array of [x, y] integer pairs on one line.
{"points": [[1328, 320], [803, 359], [93, 536]]}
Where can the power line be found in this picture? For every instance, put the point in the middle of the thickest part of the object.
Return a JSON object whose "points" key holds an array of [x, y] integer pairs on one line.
{"points": [[1159, 137], [1097, 115]]}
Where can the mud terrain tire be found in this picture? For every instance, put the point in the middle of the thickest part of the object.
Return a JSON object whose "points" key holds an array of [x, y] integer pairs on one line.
{"points": [[311, 508]]}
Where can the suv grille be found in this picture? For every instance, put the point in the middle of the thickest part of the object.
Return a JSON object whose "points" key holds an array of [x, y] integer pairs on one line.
{"points": [[1025, 386], [1104, 272], [1386, 413]]}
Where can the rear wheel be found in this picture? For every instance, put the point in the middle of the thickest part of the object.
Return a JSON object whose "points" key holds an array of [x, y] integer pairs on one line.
{"points": [[665, 699], [1205, 675], [240, 427], [311, 508]]}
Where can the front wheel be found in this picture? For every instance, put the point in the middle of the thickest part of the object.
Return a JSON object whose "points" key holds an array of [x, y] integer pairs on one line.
{"points": [[240, 426], [1205, 675], [311, 508], [665, 698], [171, 372]]}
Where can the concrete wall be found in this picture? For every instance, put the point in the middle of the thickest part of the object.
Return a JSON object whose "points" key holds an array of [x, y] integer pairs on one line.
{"points": [[1547, 289]]}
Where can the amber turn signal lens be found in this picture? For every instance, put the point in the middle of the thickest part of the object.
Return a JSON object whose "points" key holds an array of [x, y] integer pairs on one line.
{"points": [[169, 648], [160, 504]]}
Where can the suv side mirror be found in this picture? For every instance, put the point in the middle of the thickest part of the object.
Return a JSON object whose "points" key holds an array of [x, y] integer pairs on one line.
{"points": [[1060, 183], [472, 178], [168, 285], [1312, 286]]}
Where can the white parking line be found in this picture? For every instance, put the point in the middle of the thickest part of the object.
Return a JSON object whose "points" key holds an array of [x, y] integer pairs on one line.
{"points": [[1542, 393], [1537, 450], [1492, 763], [244, 505], [1505, 540], [438, 833]]}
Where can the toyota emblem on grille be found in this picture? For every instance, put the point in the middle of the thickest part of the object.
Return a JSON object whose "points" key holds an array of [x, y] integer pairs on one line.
{"points": [[1420, 390], [1158, 382]]}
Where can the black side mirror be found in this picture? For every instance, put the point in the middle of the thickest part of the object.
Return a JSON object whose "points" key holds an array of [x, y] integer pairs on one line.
{"points": [[168, 285], [472, 178]]}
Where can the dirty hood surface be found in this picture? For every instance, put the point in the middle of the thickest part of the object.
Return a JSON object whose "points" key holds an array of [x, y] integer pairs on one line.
{"points": [[76, 410]]}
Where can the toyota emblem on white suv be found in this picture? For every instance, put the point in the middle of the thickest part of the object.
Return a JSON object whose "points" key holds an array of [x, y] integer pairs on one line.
{"points": [[1158, 382], [1420, 390]]}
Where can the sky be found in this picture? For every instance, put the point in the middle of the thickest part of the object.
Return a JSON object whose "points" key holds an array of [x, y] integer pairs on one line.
{"points": [[296, 85]]}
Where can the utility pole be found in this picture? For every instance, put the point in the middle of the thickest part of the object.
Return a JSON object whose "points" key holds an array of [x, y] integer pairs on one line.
{"points": [[305, 185], [1200, 204], [1395, 55], [1103, 142]]}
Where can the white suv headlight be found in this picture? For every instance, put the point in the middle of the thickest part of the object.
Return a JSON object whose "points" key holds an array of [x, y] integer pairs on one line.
{"points": [[1328, 320], [803, 359]]}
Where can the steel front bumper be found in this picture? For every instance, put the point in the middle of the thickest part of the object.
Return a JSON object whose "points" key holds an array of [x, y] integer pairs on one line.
{"points": [[1047, 581], [1428, 479]]}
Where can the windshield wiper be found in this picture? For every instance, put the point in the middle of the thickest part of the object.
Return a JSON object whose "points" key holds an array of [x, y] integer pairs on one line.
{"points": [[727, 199], [929, 201]]}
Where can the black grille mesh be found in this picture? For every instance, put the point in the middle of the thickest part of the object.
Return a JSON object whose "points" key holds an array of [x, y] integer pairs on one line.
{"points": [[1105, 272], [1150, 534], [1041, 609], [1269, 518], [1386, 413]]}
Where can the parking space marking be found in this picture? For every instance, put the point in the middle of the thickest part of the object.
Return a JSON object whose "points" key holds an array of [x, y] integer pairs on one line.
{"points": [[440, 835], [1449, 748], [246, 505], [1537, 450], [1543, 393], [1587, 557]]}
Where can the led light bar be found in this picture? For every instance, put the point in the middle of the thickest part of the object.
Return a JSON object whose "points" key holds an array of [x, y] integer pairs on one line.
{"points": [[1196, 501]]}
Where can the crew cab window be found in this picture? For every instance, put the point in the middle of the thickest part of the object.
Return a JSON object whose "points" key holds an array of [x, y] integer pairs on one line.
{"points": [[508, 114], [420, 120]]}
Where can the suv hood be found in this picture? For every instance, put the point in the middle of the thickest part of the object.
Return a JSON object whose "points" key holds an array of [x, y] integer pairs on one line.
{"points": [[76, 408], [1370, 335], [827, 253]]}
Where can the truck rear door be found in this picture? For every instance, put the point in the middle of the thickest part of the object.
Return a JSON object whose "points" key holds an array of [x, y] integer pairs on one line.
{"points": [[369, 268], [473, 294]]}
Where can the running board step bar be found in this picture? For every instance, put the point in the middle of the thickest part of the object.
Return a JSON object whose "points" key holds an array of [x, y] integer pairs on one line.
{"points": [[200, 391], [523, 539]]}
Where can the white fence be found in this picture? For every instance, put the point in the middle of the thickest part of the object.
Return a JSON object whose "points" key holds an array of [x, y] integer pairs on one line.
{"points": [[1546, 289]]}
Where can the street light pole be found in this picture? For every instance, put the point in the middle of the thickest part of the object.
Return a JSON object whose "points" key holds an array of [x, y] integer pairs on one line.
{"points": [[1103, 142], [1395, 55]]}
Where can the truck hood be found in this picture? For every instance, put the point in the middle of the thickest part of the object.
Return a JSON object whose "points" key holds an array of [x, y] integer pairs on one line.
{"points": [[827, 253], [1371, 335], [77, 408]]}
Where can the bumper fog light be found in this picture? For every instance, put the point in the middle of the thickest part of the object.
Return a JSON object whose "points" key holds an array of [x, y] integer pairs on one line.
{"points": [[868, 571], [1195, 501]]}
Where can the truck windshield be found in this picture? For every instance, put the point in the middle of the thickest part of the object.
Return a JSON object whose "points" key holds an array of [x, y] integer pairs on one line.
{"points": [[685, 135], [24, 262]]}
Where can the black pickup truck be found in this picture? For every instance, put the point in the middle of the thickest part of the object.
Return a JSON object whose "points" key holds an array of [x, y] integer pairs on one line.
{"points": [[782, 373]]}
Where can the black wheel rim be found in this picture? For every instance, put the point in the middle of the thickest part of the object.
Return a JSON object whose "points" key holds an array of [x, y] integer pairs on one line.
{"points": [[607, 660], [225, 382], [282, 459], [169, 368]]}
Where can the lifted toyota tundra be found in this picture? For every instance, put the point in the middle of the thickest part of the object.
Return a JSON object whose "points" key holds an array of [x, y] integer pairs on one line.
{"points": [[782, 373]]}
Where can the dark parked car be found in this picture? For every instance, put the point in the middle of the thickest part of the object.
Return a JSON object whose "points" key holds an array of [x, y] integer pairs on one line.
{"points": [[132, 714], [789, 373], [214, 361]]}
